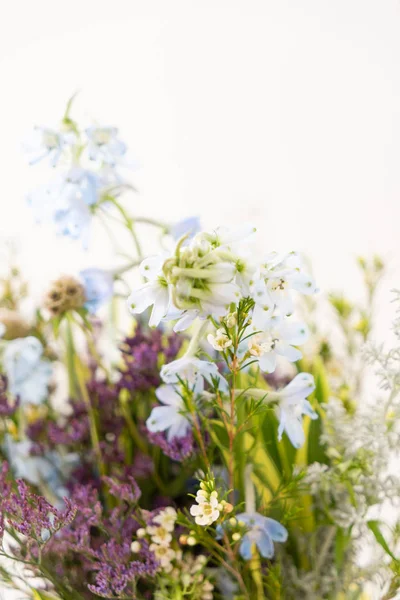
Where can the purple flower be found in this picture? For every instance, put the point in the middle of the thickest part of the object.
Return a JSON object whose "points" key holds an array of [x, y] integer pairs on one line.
{"points": [[178, 448]]}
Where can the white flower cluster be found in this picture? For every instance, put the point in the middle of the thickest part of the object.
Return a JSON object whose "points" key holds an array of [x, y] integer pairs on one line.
{"points": [[160, 537], [200, 281], [214, 270]]}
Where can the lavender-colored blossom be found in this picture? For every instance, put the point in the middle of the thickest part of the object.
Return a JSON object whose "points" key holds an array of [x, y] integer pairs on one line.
{"points": [[178, 448]]}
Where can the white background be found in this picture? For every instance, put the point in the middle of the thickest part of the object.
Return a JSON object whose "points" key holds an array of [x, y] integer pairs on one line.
{"points": [[286, 114]]}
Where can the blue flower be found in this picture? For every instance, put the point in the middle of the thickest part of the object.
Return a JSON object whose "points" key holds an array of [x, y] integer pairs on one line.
{"points": [[190, 225], [261, 532], [28, 374], [51, 469], [66, 202], [98, 286], [104, 145], [293, 405], [48, 143]]}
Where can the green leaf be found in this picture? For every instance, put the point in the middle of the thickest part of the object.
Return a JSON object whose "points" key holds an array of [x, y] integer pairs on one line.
{"points": [[375, 528]]}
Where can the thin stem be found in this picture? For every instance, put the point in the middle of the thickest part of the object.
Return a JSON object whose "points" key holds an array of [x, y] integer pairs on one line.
{"points": [[94, 436]]}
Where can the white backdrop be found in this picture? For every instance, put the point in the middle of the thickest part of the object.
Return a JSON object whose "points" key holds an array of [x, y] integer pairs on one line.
{"points": [[283, 113]]}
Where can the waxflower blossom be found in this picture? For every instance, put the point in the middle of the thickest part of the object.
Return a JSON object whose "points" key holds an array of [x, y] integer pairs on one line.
{"points": [[293, 405], [261, 532], [220, 341], [98, 288], [28, 374], [207, 509]]}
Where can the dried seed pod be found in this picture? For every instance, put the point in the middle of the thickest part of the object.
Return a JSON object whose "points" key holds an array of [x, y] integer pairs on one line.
{"points": [[66, 293]]}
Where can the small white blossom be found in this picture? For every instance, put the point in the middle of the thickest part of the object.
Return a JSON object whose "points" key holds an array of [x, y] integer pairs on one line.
{"points": [[164, 555], [207, 509], [166, 518], [220, 340]]}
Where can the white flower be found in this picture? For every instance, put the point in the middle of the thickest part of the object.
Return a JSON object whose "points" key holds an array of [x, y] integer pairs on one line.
{"points": [[278, 340], [159, 535], [154, 293], [192, 370], [44, 142], [28, 375], [104, 144], [220, 341], [166, 518], [283, 274], [164, 555], [171, 417], [293, 405], [206, 511]]}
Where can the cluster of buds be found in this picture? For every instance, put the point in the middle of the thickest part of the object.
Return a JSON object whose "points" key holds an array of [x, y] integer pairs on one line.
{"points": [[66, 293], [188, 577], [202, 274]]}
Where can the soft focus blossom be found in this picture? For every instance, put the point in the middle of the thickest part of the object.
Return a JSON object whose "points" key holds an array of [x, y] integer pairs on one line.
{"points": [[293, 405], [261, 533], [189, 226], [98, 286], [192, 369], [171, 417], [104, 145], [28, 374], [48, 143]]}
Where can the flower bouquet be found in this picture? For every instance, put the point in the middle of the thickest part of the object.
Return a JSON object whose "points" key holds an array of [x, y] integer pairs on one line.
{"points": [[169, 439]]}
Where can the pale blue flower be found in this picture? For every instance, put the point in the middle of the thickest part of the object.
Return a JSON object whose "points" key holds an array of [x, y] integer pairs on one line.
{"points": [[104, 145], [48, 143], [293, 405], [171, 417], [261, 532], [51, 469], [190, 225], [98, 286], [66, 202], [28, 374]]}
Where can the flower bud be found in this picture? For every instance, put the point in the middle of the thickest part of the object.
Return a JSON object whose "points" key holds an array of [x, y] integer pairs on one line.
{"points": [[135, 547]]}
